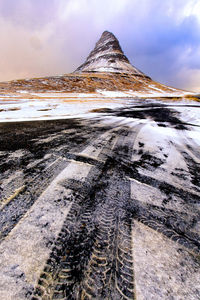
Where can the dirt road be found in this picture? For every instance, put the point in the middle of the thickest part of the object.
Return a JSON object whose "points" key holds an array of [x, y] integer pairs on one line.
{"points": [[101, 208]]}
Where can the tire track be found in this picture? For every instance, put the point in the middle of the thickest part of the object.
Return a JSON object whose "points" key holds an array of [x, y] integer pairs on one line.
{"points": [[37, 231], [76, 241], [97, 245], [176, 226], [35, 185]]}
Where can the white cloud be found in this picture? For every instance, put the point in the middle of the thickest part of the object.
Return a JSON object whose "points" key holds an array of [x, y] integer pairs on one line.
{"points": [[97, 11], [192, 8]]}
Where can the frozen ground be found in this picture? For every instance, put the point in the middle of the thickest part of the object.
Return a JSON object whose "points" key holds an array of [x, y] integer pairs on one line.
{"points": [[52, 106], [24, 106], [103, 205]]}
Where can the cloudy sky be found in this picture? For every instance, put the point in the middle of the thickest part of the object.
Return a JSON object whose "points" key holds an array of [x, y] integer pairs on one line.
{"points": [[47, 37]]}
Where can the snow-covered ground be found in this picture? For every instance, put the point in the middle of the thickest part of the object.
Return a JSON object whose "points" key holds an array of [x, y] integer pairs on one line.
{"points": [[150, 178], [53, 106], [41, 106]]}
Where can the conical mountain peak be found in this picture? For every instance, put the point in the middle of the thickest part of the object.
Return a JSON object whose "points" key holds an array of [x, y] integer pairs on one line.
{"points": [[108, 56], [108, 41], [108, 34]]}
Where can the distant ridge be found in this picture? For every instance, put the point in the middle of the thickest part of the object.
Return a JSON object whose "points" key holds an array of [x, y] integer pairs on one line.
{"points": [[108, 56]]}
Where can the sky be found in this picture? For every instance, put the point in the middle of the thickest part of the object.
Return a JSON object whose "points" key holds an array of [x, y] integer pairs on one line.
{"points": [[51, 37]]}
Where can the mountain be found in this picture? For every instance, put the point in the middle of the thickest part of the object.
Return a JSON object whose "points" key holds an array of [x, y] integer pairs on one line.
{"points": [[105, 70], [108, 56]]}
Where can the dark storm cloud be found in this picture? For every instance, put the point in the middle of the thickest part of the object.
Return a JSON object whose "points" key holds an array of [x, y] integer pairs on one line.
{"points": [[41, 37]]}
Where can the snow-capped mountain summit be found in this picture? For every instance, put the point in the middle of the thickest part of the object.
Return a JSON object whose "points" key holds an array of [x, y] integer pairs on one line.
{"points": [[108, 56]]}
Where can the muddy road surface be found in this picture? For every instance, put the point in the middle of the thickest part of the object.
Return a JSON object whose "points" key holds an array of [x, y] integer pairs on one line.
{"points": [[102, 208]]}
